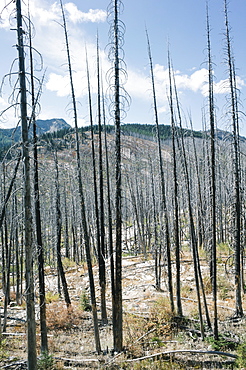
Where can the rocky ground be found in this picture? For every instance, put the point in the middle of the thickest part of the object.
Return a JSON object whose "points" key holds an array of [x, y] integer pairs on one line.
{"points": [[151, 332]]}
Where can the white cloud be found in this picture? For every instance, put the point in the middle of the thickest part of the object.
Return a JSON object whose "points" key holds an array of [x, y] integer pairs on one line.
{"points": [[138, 85], [59, 84], [5, 14], [44, 15], [223, 86], [76, 15], [196, 82]]}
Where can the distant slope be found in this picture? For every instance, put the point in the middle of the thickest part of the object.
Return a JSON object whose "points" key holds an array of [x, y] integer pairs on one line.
{"points": [[13, 135], [51, 125], [146, 131], [60, 133]]}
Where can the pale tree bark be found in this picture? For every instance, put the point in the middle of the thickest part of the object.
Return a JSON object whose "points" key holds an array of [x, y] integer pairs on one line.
{"points": [[81, 196], [110, 218], [58, 235], [176, 205], [42, 302], [236, 166], [195, 254], [162, 179]]}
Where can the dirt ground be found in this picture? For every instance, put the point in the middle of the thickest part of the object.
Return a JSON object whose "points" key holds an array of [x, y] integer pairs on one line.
{"points": [[149, 327]]}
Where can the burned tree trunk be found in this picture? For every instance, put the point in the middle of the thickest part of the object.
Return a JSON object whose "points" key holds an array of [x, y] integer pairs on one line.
{"points": [[30, 307]]}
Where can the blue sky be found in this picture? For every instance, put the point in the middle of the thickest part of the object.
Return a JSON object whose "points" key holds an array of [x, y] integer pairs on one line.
{"points": [[181, 23]]}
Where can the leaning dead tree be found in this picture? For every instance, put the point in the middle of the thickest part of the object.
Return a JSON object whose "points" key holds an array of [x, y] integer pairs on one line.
{"points": [[81, 192], [162, 180], [175, 196]]}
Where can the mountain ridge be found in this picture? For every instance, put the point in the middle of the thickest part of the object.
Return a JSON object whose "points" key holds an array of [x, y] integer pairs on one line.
{"points": [[58, 128], [9, 136]]}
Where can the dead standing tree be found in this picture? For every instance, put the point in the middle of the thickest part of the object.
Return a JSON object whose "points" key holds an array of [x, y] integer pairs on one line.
{"points": [[119, 98], [102, 267], [30, 307], [39, 239], [236, 164], [162, 180], [81, 193], [212, 180], [176, 205]]}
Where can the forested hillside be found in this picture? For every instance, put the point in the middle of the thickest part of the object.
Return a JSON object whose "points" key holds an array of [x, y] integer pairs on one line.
{"points": [[13, 135], [142, 226]]}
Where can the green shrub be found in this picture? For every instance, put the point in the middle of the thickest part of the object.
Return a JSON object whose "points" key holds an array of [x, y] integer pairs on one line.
{"points": [[223, 343], [85, 301], [241, 360], [45, 362]]}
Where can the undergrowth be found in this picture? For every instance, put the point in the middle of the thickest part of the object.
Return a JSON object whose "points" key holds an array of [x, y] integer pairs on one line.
{"points": [[145, 333], [223, 343], [47, 362], [61, 317], [241, 360]]}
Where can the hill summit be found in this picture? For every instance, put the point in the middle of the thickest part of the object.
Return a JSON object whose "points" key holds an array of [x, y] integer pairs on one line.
{"points": [[9, 136]]}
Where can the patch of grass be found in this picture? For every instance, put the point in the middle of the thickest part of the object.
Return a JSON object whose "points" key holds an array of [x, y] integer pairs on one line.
{"points": [[186, 290], [162, 318], [223, 248], [45, 361], [134, 328], [241, 360], [3, 349], [207, 284], [224, 286], [59, 317], [223, 343], [68, 263], [157, 341], [51, 297]]}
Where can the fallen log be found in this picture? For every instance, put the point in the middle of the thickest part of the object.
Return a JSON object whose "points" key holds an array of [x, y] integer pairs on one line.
{"points": [[204, 352]]}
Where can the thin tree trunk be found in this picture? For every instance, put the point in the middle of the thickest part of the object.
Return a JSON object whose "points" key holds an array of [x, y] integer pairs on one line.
{"points": [[118, 325], [102, 268], [110, 226], [42, 302], [17, 257], [191, 219], [213, 182], [163, 191], [81, 195], [236, 168], [176, 207], [7, 288], [30, 307], [58, 235], [157, 244], [9, 191]]}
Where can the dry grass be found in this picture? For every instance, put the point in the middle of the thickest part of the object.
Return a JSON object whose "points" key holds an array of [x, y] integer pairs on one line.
{"points": [[61, 317], [147, 333]]}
